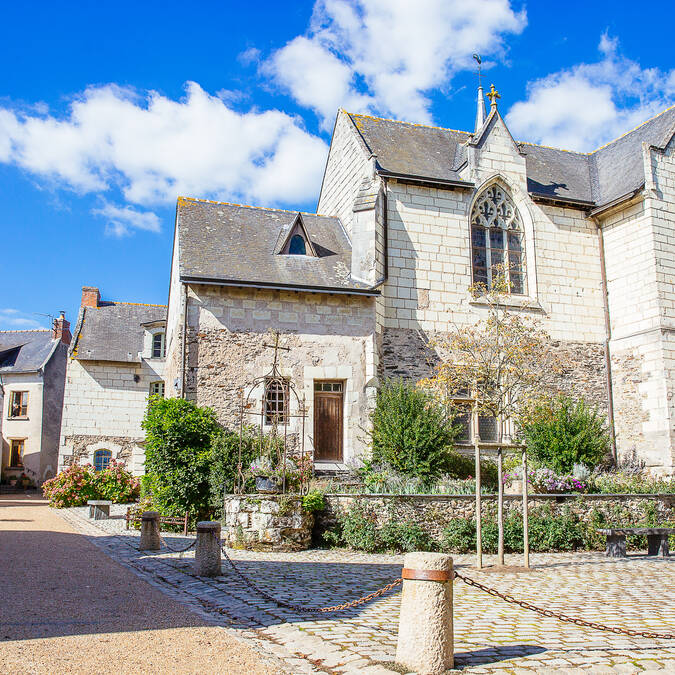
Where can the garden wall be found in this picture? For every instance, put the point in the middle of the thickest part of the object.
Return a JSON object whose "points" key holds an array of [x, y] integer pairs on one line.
{"points": [[432, 512]]}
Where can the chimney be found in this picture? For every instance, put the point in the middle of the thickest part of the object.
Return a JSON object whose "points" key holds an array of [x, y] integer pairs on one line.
{"points": [[61, 329], [90, 296]]}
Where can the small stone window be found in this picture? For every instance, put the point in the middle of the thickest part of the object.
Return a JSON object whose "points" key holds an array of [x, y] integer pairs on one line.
{"points": [[18, 404], [276, 400], [158, 345], [102, 459], [16, 447], [497, 240], [157, 388]]}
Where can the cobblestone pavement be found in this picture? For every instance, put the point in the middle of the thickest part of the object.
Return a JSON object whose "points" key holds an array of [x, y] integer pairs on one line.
{"points": [[490, 635]]}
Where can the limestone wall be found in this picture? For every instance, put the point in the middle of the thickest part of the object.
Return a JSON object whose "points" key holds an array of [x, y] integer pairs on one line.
{"points": [[103, 409], [329, 337], [346, 167]]}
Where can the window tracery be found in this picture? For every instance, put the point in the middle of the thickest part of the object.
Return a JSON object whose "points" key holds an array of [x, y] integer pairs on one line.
{"points": [[497, 240]]}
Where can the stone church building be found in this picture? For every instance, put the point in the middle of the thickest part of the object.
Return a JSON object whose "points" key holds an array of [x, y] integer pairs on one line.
{"points": [[407, 218]]}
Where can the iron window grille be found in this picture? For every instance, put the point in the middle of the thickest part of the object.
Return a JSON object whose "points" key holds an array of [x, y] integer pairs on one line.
{"points": [[276, 400]]}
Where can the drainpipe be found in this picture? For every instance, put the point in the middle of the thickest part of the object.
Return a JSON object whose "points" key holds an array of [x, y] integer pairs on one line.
{"points": [[608, 334], [184, 341]]}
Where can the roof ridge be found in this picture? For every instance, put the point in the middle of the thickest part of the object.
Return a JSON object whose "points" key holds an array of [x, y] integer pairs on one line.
{"points": [[251, 206], [412, 124], [618, 138], [553, 147], [27, 330], [137, 304]]}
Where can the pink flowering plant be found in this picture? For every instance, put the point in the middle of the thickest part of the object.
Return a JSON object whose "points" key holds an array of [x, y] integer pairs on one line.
{"points": [[79, 483]]}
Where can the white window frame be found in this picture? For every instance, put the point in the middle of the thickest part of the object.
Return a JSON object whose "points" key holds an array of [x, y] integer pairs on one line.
{"points": [[154, 385], [162, 334]]}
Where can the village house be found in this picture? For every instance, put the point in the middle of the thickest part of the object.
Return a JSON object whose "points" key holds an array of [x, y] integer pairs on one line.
{"points": [[115, 362], [408, 217], [32, 376]]}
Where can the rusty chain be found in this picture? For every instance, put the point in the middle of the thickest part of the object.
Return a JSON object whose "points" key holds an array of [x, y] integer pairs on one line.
{"points": [[301, 608], [177, 550], [560, 616]]}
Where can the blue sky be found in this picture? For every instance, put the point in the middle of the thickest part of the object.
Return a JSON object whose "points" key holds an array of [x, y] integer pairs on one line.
{"points": [[109, 111]]}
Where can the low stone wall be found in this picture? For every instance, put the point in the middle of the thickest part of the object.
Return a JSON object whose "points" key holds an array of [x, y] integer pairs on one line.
{"points": [[432, 512], [267, 522]]}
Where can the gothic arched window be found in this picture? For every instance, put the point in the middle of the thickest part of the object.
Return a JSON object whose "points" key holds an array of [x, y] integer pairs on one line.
{"points": [[497, 239]]}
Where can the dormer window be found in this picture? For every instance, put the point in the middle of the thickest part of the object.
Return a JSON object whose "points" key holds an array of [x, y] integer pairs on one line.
{"points": [[297, 245], [158, 348], [294, 239]]}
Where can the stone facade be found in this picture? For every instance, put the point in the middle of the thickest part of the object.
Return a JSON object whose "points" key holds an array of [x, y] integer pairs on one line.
{"points": [[267, 522], [432, 512]]}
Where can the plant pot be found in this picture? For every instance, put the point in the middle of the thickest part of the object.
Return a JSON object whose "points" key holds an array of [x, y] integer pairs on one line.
{"points": [[267, 485]]}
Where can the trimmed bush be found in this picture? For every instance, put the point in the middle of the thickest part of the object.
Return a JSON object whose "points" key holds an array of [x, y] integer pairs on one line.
{"points": [[410, 431], [561, 433]]}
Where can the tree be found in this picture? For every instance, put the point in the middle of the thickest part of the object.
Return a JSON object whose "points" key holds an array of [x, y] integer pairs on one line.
{"points": [[497, 365], [179, 436]]}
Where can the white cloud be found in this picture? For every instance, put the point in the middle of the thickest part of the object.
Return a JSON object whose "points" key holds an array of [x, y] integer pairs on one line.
{"points": [[585, 106], [13, 319], [386, 55], [154, 148], [121, 219]]}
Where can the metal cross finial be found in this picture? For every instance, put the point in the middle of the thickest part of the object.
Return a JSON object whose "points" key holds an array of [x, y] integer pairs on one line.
{"points": [[276, 348], [493, 95]]}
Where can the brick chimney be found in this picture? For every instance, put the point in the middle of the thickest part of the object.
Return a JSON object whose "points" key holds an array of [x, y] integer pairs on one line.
{"points": [[61, 329], [90, 296]]}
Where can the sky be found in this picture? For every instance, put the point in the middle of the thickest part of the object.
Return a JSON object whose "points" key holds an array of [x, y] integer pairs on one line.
{"points": [[110, 111]]}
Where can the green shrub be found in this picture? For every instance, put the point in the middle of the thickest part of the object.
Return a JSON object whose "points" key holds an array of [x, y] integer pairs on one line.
{"points": [[410, 432], [562, 433], [404, 537], [620, 482], [358, 529], [313, 502], [179, 435], [459, 536]]}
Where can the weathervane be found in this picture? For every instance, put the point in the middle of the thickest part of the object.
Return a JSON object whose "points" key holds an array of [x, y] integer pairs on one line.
{"points": [[479, 61]]}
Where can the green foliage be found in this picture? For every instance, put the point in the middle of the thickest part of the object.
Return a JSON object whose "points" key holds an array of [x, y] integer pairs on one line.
{"points": [[313, 502], [224, 461], [78, 484], [561, 433], [404, 537], [178, 455], [629, 483], [410, 432], [358, 528]]}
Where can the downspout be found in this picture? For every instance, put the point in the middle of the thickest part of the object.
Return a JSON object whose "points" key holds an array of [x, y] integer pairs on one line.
{"points": [[608, 337], [184, 341]]}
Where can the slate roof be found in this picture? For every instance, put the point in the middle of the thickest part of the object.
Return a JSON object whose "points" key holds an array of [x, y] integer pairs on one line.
{"points": [[595, 179], [235, 244], [25, 351], [113, 331]]}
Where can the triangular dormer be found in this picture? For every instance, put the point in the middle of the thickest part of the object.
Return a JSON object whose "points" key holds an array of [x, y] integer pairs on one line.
{"points": [[296, 241]]}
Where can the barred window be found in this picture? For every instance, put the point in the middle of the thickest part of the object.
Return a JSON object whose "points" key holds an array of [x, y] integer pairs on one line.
{"points": [[102, 459], [276, 400], [497, 239]]}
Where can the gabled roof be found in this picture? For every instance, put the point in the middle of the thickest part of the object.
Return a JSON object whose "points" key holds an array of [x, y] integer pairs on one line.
{"points": [[592, 179], [237, 245], [113, 331], [297, 226], [25, 351]]}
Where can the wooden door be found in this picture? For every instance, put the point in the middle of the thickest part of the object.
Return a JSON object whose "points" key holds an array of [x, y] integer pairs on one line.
{"points": [[328, 420]]}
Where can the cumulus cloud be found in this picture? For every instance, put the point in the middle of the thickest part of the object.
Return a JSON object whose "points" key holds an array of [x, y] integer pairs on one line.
{"points": [[13, 319], [122, 219], [154, 148], [385, 56], [583, 107]]}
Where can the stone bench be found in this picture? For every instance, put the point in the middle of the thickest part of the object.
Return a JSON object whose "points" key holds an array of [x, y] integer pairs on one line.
{"points": [[99, 509], [657, 540]]}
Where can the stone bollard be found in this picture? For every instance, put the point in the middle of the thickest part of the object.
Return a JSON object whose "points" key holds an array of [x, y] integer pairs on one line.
{"points": [[150, 531], [207, 553], [425, 640]]}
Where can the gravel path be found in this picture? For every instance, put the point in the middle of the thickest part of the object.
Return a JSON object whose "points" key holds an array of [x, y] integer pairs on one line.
{"points": [[68, 607]]}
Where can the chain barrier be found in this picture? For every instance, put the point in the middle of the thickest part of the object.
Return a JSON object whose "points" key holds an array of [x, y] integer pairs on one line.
{"points": [[177, 550], [563, 617], [302, 609]]}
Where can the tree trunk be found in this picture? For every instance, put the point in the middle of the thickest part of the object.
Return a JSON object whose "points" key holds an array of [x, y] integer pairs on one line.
{"points": [[500, 506], [526, 534], [476, 445]]}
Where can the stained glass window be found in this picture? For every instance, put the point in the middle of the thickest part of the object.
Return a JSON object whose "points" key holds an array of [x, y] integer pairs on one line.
{"points": [[497, 239]]}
